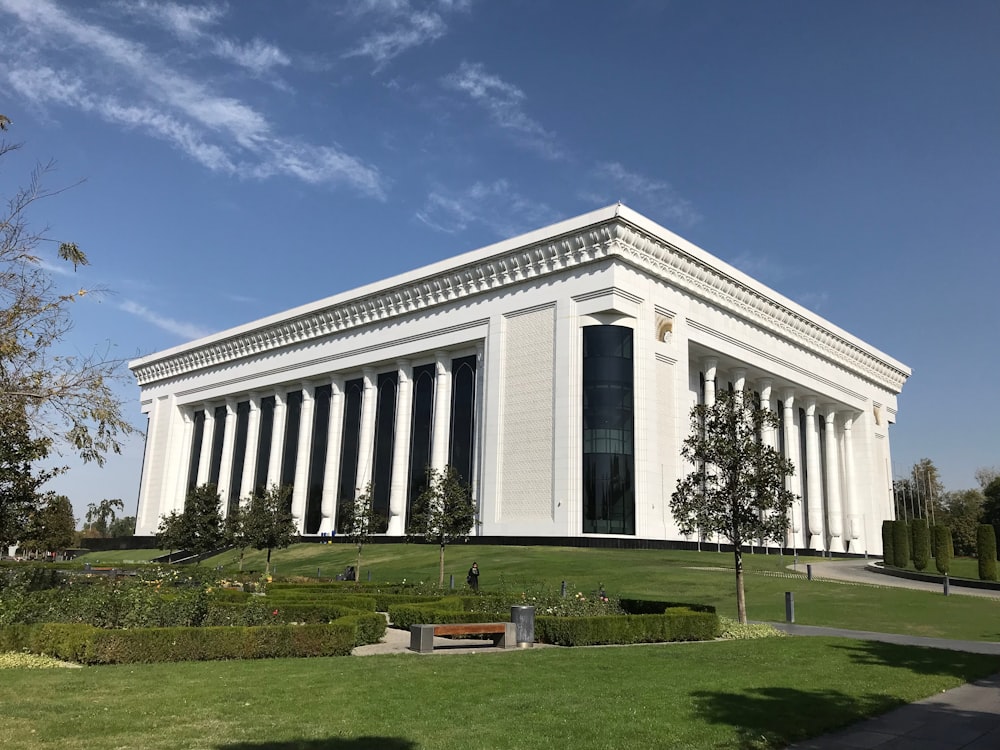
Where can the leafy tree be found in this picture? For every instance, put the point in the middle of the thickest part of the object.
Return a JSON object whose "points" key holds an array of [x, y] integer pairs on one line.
{"points": [[737, 489], [901, 537], [985, 475], [268, 522], [234, 532], [986, 552], [888, 554], [52, 526], [101, 515], [198, 529], [359, 522], [66, 397], [942, 549], [20, 477], [961, 511], [124, 526], [991, 504], [444, 511]]}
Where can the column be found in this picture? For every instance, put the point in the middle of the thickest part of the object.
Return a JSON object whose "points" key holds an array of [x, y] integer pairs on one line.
{"points": [[767, 436], [207, 438], [480, 417], [366, 438], [300, 488], [331, 474], [253, 443], [834, 511], [814, 469], [178, 490], [226, 465], [401, 450], [739, 380], [277, 439], [710, 365], [442, 411], [794, 482], [853, 531]]}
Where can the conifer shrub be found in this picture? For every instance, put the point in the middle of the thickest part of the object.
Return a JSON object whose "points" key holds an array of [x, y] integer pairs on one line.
{"points": [[888, 555], [942, 549], [921, 544], [986, 551], [900, 544]]}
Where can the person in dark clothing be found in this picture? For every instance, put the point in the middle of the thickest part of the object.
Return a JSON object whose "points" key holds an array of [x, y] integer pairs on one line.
{"points": [[473, 578]]}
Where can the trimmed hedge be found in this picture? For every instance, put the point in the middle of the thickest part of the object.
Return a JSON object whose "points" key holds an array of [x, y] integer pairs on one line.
{"points": [[888, 555], [921, 544], [90, 645], [678, 624], [651, 607], [942, 549], [986, 551], [900, 544]]}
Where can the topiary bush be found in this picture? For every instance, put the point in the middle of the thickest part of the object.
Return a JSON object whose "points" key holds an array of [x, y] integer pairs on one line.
{"points": [[921, 544], [942, 549], [986, 551], [678, 624], [888, 556], [900, 544]]}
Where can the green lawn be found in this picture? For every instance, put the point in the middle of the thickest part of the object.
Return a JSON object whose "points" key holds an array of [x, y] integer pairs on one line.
{"points": [[692, 695], [119, 556]]}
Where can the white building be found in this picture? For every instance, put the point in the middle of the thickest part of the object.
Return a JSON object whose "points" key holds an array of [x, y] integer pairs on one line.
{"points": [[555, 371]]}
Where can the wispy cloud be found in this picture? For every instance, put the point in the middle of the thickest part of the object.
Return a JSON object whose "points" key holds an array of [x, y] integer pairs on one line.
{"points": [[177, 327], [495, 205], [504, 102], [618, 183], [124, 83], [188, 22], [402, 26]]}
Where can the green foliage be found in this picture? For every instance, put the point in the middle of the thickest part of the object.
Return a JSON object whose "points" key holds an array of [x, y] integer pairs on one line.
{"points": [[900, 544], [888, 555], [198, 529], [737, 488], [921, 544], [101, 515], [991, 504], [444, 511], [52, 527], [678, 624], [124, 526], [961, 511], [986, 552], [20, 477], [942, 549], [268, 522], [730, 630], [16, 660], [358, 523]]}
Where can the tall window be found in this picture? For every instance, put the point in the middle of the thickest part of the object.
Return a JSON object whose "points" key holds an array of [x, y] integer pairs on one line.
{"points": [[803, 463], [265, 430], [420, 436], [350, 445], [317, 461], [197, 437], [385, 423], [293, 415], [463, 416], [239, 453], [218, 439], [608, 431]]}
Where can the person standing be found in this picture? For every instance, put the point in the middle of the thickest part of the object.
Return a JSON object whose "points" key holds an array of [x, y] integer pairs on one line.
{"points": [[473, 578]]}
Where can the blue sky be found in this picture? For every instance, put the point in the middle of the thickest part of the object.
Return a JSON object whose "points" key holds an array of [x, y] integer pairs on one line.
{"points": [[242, 158]]}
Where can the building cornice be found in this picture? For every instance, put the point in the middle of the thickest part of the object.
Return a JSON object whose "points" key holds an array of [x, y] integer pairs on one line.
{"points": [[622, 234]]}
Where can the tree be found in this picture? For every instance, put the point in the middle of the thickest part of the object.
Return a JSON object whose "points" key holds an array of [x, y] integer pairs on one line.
{"points": [[124, 526], [63, 397], [991, 504], [444, 511], [985, 476], [268, 522], [234, 532], [737, 488], [359, 523], [101, 515], [52, 527], [20, 479], [961, 511], [198, 529]]}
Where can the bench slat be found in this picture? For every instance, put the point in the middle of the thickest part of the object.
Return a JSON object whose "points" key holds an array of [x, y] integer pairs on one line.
{"points": [[470, 628]]}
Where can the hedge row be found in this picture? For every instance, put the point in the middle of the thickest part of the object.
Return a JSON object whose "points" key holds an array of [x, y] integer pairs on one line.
{"points": [[678, 624], [89, 645], [986, 551], [941, 539], [366, 603], [921, 544]]}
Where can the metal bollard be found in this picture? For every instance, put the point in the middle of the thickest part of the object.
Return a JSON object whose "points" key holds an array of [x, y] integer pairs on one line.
{"points": [[562, 593], [789, 606], [369, 574], [809, 572], [317, 572], [946, 592], [451, 581], [523, 617]]}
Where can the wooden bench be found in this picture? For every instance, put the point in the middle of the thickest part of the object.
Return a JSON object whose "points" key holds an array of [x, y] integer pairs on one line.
{"points": [[503, 634]]}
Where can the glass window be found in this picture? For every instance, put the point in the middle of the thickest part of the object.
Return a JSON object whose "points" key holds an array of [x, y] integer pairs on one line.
{"points": [[293, 415], [349, 446], [239, 453], [420, 433], [608, 431], [385, 430], [218, 438], [264, 434], [463, 416], [317, 461], [197, 437]]}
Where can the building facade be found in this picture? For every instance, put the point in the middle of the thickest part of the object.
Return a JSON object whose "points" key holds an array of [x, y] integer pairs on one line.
{"points": [[554, 371]]}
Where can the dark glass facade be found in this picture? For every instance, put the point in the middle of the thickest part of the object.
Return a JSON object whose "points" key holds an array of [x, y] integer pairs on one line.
{"points": [[608, 431], [463, 416], [317, 461], [350, 445], [198, 435], [218, 437], [421, 427], [264, 430], [385, 430], [239, 453], [293, 415]]}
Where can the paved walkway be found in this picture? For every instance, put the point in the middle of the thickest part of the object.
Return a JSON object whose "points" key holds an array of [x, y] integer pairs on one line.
{"points": [[854, 571]]}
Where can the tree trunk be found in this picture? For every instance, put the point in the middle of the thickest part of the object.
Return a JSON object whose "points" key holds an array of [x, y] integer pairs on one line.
{"points": [[267, 569], [741, 599], [441, 568]]}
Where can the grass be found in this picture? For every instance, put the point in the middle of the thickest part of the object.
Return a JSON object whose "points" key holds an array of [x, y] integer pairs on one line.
{"points": [[696, 695], [118, 556]]}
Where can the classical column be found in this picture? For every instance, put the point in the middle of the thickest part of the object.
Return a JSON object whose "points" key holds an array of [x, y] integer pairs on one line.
{"points": [[366, 439], [401, 450], [277, 439], [442, 411], [179, 490], [834, 511], [710, 365], [767, 435], [793, 482], [814, 498], [300, 488], [479, 417], [207, 438], [853, 531], [331, 474], [253, 443], [739, 380], [226, 465]]}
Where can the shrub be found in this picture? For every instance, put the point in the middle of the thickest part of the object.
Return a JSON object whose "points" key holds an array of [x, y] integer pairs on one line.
{"points": [[731, 630], [921, 544], [942, 549], [900, 544], [986, 551], [888, 556], [678, 624]]}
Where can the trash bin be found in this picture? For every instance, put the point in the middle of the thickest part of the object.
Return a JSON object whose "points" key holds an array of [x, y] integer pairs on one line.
{"points": [[523, 618]]}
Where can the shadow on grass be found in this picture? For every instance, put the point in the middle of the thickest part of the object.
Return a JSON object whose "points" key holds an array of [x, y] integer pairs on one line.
{"points": [[921, 660], [332, 743], [777, 716]]}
